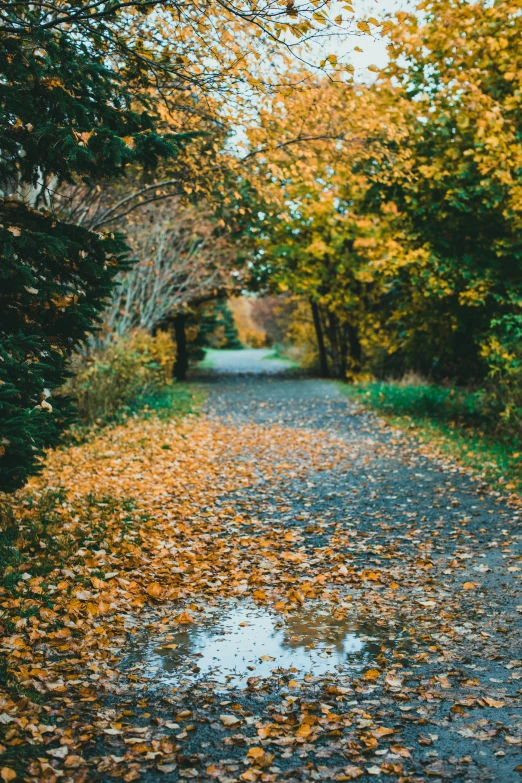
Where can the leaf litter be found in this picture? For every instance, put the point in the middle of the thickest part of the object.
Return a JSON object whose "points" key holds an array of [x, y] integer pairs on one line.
{"points": [[148, 550]]}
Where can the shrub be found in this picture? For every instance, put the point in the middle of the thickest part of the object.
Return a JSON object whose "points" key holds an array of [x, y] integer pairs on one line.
{"points": [[460, 406], [108, 381], [503, 354]]}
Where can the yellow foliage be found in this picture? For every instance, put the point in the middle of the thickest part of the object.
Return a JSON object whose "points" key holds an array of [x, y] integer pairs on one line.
{"points": [[107, 380], [249, 332]]}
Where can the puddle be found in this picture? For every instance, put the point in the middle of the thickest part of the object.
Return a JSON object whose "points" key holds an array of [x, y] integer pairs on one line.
{"points": [[243, 640]]}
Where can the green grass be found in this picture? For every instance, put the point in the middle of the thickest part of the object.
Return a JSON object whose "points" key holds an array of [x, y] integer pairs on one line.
{"points": [[460, 423], [176, 401], [172, 402], [207, 363], [277, 353]]}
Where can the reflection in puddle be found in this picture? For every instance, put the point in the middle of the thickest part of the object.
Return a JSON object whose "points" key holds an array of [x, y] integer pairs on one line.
{"points": [[243, 640]]}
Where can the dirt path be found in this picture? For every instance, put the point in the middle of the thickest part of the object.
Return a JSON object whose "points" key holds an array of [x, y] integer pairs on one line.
{"points": [[333, 603], [453, 700], [249, 361]]}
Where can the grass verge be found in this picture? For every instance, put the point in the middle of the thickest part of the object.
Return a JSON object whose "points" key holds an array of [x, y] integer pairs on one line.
{"points": [[456, 421], [173, 402]]}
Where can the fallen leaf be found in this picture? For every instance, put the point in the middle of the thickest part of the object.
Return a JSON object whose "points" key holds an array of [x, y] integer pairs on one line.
{"points": [[352, 772], [493, 702], [402, 751], [155, 590], [382, 731], [229, 720], [58, 753], [371, 675]]}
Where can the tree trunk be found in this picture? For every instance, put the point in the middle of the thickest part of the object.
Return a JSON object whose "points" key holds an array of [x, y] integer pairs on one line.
{"points": [[323, 359], [181, 364], [343, 351], [355, 346], [333, 339]]}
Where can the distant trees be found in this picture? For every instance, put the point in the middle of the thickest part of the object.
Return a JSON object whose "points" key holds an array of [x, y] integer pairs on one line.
{"points": [[183, 257]]}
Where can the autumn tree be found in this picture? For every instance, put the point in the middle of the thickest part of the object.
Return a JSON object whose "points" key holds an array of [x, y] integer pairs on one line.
{"points": [[318, 238], [185, 257], [400, 217], [456, 191]]}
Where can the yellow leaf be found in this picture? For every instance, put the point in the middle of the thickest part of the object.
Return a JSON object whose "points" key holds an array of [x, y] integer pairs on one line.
{"points": [[155, 590], [7, 774], [401, 751], [255, 753], [381, 731], [304, 730], [371, 675], [469, 585]]}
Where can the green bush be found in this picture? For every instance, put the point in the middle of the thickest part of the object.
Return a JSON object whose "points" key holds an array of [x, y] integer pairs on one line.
{"points": [[108, 381], [423, 400], [503, 354]]}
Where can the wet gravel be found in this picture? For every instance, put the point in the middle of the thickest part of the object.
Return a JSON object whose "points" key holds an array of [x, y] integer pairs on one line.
{"points": [[405, 506]]}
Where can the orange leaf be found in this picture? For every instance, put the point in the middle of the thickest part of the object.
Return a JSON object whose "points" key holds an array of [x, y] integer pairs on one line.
{"points": [[184, 618], [371, 675], [155, 590], [255, 753]]}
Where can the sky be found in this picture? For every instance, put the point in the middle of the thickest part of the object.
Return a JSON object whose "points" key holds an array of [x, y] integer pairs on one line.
{"points": [[374, 47]]}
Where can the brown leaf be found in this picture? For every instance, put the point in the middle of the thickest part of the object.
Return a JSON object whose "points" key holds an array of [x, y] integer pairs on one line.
{"points": [[493, 702], [351, 773], [229, 720]]}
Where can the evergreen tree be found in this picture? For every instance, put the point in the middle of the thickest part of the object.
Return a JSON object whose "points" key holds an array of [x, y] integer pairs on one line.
{"points": [[225, 318], [64, 115]]}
